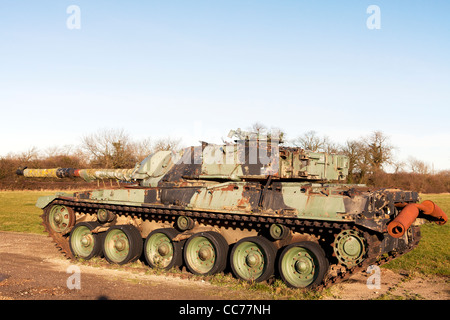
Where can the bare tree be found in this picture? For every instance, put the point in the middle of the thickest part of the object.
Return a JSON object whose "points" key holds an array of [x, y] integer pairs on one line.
{"points": [[166, 144], [258, 128], [418, 166], [65, 150], [311, 141], [30, 155], [262, 131], [379, 150], [109, 148], [142, 148], [398, 166], [356, 153], [367, 156], [113, 148]]}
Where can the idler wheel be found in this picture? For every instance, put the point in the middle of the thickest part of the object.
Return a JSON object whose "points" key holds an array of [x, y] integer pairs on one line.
{"points": [[60, 218]]}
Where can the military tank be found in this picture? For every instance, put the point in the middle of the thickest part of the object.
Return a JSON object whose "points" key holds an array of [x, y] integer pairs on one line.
{"points": [[250, 206]]}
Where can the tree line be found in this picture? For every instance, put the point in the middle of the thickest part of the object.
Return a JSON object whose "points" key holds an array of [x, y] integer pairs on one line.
{"points": [[371, 161], [369, 157]]}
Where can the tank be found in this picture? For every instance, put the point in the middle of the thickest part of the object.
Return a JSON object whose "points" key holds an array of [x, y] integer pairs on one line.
{"points": [[251, 207]]}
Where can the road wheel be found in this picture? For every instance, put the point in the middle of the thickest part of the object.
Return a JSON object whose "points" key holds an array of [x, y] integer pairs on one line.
{"points": [[122, 244], [83, 243], [205, 253], [303, 264], [253, 259], [160, 251]]}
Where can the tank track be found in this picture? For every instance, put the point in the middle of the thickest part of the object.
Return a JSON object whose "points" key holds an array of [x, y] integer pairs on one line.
{"points": [[337, 272]]}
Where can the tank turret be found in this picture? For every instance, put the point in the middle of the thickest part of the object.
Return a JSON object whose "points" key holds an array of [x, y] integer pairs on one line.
{"points": [[252, 204]]}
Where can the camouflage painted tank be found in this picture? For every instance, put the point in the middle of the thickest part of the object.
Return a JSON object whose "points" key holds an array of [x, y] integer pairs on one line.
{"points": [[251, 206]]}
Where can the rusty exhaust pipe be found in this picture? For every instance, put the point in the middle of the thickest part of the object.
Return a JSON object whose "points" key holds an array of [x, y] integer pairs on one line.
{"points": [[434, 211], [401, 223]]}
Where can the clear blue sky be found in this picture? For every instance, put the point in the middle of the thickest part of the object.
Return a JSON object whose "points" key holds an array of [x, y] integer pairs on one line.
{"points": [[196, 69]]}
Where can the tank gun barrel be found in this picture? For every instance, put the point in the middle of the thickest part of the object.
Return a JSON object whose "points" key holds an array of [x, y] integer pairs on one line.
{"points": [[86, 174]]}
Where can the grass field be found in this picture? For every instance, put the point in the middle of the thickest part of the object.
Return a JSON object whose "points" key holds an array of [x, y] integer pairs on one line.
{"points": [[19, 213]]}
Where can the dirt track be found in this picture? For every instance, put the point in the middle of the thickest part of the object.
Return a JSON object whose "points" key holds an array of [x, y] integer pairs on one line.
{"points": [[32, 268]]}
